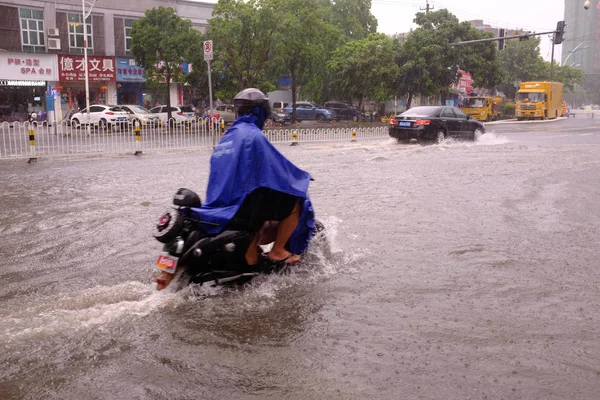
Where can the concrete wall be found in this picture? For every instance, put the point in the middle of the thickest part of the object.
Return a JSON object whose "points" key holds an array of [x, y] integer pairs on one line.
{"points": [[107, 20]]}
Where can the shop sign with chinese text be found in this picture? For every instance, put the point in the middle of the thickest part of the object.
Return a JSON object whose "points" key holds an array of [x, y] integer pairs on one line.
{"points": [[72, 68], [129, 71], [28, 67]]}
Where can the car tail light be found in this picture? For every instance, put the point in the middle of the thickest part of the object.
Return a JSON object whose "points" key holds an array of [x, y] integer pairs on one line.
{"points": [[423, 122], [393, 121], [179, 113]]}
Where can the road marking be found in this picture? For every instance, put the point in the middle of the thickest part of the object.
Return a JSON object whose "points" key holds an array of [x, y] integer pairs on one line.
{"points": [[560, 136]]}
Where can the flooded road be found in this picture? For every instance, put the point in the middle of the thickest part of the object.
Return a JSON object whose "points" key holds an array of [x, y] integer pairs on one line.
{"points": [[459, 271]]}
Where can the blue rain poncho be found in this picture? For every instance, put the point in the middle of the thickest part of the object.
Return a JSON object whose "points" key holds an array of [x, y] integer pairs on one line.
{"points": [[243, 161]]}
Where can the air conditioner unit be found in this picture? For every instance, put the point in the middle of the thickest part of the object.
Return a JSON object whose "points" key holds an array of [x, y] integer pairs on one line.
{"points": [[53, 44], [53, 32]]}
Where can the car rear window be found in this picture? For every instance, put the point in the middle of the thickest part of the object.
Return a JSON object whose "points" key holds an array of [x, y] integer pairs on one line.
{"points": [[421, 112], [116, 109], [186, 109]]}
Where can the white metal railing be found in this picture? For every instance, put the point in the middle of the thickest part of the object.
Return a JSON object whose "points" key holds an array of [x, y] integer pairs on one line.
{"points": [[33, 140]]}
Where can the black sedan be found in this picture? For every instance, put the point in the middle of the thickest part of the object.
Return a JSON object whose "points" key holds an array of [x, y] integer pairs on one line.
{"points": [[434, 124]]}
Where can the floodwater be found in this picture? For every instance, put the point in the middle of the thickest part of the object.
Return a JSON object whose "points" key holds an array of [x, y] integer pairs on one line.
{"points": [[459, 271]]}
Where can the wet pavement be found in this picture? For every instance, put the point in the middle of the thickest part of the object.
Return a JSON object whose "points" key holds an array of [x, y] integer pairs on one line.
{"points": [[459, 271]]}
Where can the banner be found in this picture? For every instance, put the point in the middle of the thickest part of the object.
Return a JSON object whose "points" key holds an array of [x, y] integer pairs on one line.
{"points": [[72, 68], [128, 71], [28, 67]]}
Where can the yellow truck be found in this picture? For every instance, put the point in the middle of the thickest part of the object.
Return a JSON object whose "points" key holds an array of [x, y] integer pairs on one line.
{"points": [[483, 108], [539, 100]]}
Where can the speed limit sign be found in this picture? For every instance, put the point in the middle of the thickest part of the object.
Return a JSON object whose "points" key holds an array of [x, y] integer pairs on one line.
{"points": [[208, 50]]}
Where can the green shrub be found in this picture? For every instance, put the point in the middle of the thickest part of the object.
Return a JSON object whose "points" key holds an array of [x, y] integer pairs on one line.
{"points": [[508, 109]]}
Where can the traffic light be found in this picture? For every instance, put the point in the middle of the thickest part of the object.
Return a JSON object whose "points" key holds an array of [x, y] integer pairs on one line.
{"points": [[560, 32], [501, 34]]}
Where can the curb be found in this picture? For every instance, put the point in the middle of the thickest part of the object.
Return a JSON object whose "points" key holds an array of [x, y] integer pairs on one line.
{"points": [[514, 121]]}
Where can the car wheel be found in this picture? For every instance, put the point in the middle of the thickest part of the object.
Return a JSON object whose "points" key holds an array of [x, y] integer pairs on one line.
{"points": [[136, 123], [102, 124], [477, 134], [355, 118], [440, 136], [75, 123], [320, 118]]}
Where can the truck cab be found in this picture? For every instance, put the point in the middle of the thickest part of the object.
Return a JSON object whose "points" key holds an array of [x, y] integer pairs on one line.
{"points": [[539, 100], [482, 108]]}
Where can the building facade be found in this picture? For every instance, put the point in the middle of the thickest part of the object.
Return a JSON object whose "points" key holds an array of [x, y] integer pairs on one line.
{"points": [[581, 45], [41, 54]]}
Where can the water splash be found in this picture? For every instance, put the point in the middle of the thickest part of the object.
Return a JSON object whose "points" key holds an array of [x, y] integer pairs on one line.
{"points": [[87, 309]]}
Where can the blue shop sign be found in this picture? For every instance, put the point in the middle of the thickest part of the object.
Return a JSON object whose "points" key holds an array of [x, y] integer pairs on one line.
{"points": [[129, 71]]}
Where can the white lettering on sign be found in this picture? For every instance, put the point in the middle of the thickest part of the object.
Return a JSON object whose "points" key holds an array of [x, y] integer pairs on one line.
{"points": [[94, 65], [8, 82], [107, 65]]}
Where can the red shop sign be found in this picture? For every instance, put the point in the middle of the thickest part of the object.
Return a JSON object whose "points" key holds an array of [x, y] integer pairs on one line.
{"points": [[71, 68]]}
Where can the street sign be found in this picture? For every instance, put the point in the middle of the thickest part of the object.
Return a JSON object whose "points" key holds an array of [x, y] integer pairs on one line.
{"points": [[208, 50]]}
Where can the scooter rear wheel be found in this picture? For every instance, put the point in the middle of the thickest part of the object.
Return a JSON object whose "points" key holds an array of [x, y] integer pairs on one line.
{"points": [[168, 226]]}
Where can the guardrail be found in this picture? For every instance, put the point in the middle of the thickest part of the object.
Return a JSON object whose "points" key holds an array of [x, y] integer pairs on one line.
{"points": [[35, 140]]}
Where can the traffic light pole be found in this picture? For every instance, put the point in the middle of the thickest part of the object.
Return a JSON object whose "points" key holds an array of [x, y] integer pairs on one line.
{"points": [[522, 37], [552, 65]]}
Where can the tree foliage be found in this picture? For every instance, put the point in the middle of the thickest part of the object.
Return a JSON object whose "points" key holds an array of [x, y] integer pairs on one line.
{"points": [[244, 35], [569, 76], [429, 64], [521, 62], [354, 18], [161, 42], [364, 68], [305, 38]]}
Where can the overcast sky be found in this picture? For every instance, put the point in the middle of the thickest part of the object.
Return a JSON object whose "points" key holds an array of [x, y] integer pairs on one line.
{"points": [[396, 16]]}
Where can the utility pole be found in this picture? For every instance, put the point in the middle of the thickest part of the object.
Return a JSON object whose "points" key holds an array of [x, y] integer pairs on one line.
{"points": [[427, 7]]}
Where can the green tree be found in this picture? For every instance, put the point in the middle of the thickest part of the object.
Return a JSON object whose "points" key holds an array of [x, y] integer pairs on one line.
{"points": [[364, 68], [354, 18], [429, 64], [304, 37], [569, 76], [244, 35], [521, 62], [161, 42]]}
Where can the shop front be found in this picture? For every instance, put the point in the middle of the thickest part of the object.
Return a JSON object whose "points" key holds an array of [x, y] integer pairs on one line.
{"points": [[130, 82], [71, 74], [25, 81]]}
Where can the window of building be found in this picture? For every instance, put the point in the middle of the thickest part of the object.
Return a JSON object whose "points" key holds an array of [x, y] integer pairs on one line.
{"points": [[128, 23], [32, 30], [76, 34]]}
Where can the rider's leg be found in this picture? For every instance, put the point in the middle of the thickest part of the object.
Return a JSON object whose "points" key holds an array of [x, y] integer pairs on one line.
{"points": [[252, 252], [285, 228], [266, 235]]}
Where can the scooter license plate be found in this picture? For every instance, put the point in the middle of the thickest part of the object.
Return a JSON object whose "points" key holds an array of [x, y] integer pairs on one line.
{"points": [[167, 263]]}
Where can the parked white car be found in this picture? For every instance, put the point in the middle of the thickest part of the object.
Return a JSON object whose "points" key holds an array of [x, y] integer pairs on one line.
{"points": [[181, 114], [100, 115]]}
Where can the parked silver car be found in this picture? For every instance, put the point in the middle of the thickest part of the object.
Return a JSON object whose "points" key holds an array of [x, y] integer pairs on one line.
{"points": [[180, 114], [139, 116], [226, 112]]}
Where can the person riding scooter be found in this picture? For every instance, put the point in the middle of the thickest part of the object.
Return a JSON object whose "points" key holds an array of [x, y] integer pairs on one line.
{"points": [[252, 187]]}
